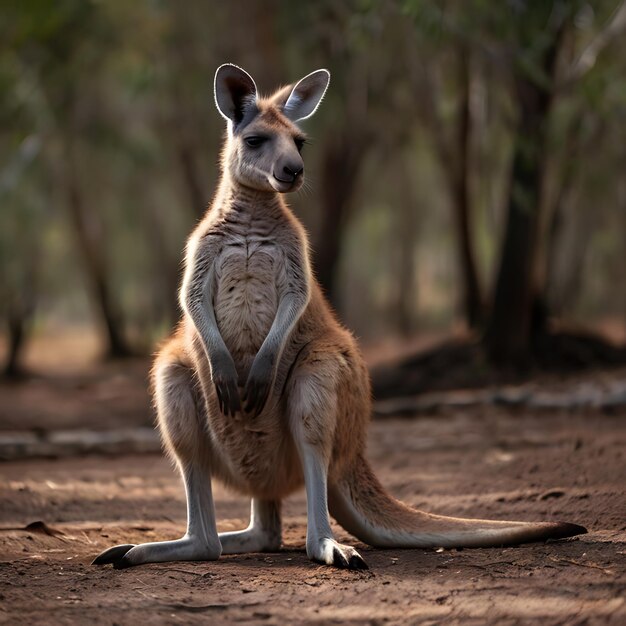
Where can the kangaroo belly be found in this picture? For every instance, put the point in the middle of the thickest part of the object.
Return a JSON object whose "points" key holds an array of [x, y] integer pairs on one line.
{"points": [[246, 301], [258, 456]]}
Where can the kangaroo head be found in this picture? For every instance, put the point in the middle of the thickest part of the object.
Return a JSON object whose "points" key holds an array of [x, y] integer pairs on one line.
{"points": [[264, 145]]}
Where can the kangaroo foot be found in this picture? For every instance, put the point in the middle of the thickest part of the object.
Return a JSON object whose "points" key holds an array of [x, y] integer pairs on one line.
{"points": [[330, 552], [185, 549]]}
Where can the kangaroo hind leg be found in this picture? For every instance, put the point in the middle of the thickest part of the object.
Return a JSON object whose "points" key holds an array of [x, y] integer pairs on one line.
{"points": [[179, 407], [312, 404], [262, 535]]}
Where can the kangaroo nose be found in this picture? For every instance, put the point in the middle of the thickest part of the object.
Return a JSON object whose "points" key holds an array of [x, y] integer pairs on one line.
{"points": [[292, 171]]}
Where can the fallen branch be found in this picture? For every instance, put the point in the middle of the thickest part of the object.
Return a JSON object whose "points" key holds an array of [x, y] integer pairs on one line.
{"points": [[585, 397]]}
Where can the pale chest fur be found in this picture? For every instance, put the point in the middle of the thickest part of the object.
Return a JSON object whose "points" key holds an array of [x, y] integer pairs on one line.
{"points": [[247, 273]]}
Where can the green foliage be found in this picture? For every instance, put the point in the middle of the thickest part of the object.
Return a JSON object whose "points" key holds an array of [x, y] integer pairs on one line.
{"points": [[128, 86]]}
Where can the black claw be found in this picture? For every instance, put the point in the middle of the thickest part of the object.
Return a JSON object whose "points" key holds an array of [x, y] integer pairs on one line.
{"points": [[113, 555], [253, 398], [228, 398], [228, 403], [339, 560], [250, 397], [356, 562], [235, 402], [122, 563], [566, 529], [219, 398]]}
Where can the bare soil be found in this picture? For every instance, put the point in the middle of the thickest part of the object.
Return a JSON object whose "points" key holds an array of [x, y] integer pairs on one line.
{"points": [[97, 395], [487, 462]]}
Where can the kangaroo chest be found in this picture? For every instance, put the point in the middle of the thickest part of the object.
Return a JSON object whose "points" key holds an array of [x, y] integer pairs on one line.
{"points": [[246, 293]]}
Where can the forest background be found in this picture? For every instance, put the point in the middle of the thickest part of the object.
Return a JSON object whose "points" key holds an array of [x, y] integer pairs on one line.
{"points": [[465, 173]]}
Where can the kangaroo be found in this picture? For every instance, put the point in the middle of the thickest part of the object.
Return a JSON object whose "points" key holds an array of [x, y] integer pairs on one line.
{"points": [[260, 386]]}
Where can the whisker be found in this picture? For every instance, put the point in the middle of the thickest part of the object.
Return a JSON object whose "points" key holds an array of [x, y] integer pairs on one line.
{"points": [[306, 189]]}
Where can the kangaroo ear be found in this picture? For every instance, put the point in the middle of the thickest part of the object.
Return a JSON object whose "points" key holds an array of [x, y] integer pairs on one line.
{"points": [[306, 96], [235, 92]]}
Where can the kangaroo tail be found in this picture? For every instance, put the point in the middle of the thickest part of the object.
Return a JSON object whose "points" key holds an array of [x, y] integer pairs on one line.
{"points": [[360, 504]]}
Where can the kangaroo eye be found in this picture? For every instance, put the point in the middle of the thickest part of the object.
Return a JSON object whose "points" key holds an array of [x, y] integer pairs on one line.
{"points": [[255, 142], [299, 143]]}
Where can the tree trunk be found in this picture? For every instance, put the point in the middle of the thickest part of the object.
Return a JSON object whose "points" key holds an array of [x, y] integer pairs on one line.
{"points": [[549, 275], [515, 301], [168, 269], [94, 264], [188, 161], [405, 232], [460, 181], [17, 322], [178, 126], [453, 151], [19, 298], [342, 160]]}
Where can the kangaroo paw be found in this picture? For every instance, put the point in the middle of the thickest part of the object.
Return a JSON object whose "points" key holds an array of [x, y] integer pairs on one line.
{"points": [[329, 552]]}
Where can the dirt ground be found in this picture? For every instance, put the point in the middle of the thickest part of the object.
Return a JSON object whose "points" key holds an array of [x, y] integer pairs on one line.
{"points": [[496, 463]]}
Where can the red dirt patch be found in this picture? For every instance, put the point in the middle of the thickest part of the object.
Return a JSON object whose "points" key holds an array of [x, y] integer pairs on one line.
{"points": [[476, 463]]}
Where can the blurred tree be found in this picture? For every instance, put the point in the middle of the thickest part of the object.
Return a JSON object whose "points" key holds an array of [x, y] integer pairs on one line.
{"points": [[23, 218], [588, 101], [523, 40], [451, 135], [505, 101], [59, 44], [519, 308], [536, 36], [354, 39], [20, 257]]}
